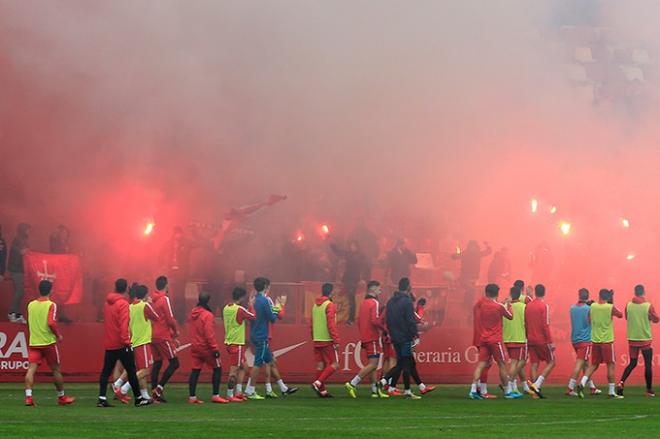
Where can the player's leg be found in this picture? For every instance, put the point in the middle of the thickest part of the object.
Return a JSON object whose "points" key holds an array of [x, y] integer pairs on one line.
{"points": [[109, 362], [260, 354], [29, 382], [155, 371], [215, 384], [611, 387], [240, 376], [580, 364], [192, 386], [330, 358], [127, 360], [231, 383], [172, 366], [476, 378], [648, 370], [53, 359], [368, 369], [269, 369], [482, 386], [284, 388], [633, 353]]}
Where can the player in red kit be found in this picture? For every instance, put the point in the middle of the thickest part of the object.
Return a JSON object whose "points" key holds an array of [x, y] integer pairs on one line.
{"points": [[539, 339], [42, 325], [204, 349], [491, 347], [482, 385], [326, 339], [371, 329], [163, 344]]}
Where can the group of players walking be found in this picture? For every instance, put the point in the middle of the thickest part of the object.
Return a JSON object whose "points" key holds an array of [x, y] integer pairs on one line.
{"points": [[519, 328], [140, 334]]}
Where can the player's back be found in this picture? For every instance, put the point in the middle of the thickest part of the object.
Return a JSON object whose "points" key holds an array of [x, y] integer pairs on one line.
{"points": [[368, 331], [580, 323], [536, 321], [490, 321]]}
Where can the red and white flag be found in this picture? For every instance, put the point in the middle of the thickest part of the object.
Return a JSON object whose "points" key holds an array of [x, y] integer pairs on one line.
{"points": [[63, 270]]}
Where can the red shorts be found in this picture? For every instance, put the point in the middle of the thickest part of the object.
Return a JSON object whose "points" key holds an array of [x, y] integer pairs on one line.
{"points": [[516, 351], [582, 350], [540, 352], [50, 353], [388, 351], [602, 353], [373, 349], [494, 351], [143, 357], [199, 359], [326, 354], [236, 354], [163, 350]]}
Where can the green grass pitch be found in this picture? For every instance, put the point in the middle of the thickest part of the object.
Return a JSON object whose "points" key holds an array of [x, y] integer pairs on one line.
{"points": [[444, 413]]}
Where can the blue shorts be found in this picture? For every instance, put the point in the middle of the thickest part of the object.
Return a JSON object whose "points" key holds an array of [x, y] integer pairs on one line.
{"points": [[403, 349], [262, 353]]}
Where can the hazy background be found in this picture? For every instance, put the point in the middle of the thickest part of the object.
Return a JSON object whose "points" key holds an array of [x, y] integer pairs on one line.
{"points": [[446, 117]]}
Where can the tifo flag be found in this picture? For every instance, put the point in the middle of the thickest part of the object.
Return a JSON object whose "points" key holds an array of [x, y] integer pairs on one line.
{"points": [[62, 269]]}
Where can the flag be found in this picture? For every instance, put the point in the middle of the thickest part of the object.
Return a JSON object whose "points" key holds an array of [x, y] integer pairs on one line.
{"points": [[63, 270]]}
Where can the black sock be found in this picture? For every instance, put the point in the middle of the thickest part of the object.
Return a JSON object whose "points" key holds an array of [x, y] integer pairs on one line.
{"points": [[171, 368], [192, 381], [215, 380], [648, 367], [628, 370], [155, 371]]}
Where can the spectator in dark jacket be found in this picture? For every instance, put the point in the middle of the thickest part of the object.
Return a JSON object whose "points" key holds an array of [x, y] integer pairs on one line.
{"points": [[402, 327], [3, 256], [19, 246], [356, 269], [399, 261]]}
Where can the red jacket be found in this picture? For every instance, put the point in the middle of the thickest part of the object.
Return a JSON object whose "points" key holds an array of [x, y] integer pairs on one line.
{"points": [[537, 322], [332, 323], [201, 326], [369, 321], [165, 328], [115, 322], [489, 315]]}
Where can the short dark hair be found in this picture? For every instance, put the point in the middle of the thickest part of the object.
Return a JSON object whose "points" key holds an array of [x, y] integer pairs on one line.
{"points": [[238, 293], [161, 283], [203, 298], [539, 290], [639, 290], [260, 284], [326, 289], [141, 291], [121, 285], [515, 293], [520, 284], [45, 287], [492, 290], [583, 294], [404, 284], [605, 294], [372, 284]]}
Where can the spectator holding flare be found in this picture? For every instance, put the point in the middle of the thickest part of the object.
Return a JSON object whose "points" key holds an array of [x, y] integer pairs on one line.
{"points": [[639, 315], [539, 339], [265, 314], [42, 325], [581, 340], [371, 328], [602, 339], [489, 316], [204, 349], [515, 338], [165, 333], [402, 327], [234, 316], [326, 340], [117, 345]]}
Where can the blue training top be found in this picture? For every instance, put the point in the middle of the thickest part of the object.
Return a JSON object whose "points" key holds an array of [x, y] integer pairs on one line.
{"points": [[580, 323], [263, 310]]}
